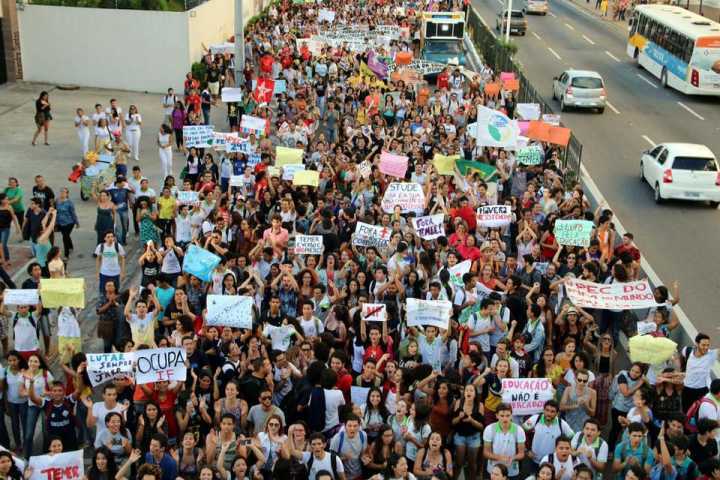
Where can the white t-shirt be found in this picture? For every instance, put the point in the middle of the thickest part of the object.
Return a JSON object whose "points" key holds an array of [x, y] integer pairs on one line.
{"points": [[110, 261], [80, 123], [96, 117], [183, 229], [133, 122], [478, 322], [568, 466], [320, 465], [504, 443], [25, 333], [598, 449], [311, 328], [710, 409], [169, 104], [280, 336], [99, 411], [13, 381], [334, 399], [67, 324], [42, 384], [545, 435], [697, 372]]}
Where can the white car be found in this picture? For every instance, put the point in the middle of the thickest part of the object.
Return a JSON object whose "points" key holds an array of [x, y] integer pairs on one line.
{"points": [[537, 6], [580, 89], [683, 171]]}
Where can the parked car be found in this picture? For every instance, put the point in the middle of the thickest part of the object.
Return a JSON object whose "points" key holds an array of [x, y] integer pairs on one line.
{"points": [[537, 6], [684, 171], [518, 22], [580, 89]]}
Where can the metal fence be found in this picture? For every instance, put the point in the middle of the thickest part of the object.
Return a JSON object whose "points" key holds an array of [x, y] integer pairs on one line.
{"points": [[499, 59]]}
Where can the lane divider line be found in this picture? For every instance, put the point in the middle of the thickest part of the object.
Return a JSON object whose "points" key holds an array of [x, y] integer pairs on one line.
{"points": [[647, 80], [692, 112], [555, 54], [536, 35], [612, 56], [588, 40], [569, 26], [612, 107], [649, 140]]}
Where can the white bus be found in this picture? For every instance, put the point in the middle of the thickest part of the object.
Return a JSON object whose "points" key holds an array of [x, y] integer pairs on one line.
{"points": [[679, 47]]}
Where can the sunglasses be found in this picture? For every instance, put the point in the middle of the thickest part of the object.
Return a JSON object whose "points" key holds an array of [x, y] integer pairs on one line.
{"points": [[582, 380], [265, 398]]}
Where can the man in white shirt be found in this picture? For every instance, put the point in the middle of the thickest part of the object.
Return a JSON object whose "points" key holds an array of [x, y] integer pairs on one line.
{"points": [[110, 262], [698, 366], [311, 325], [318, 459], [481, 324], [504, 442], [561, 459], [589, 448], [548, 427], [98, 410]]}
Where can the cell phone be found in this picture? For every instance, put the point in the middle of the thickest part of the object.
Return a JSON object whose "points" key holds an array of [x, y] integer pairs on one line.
{"points": [[245, 442]]}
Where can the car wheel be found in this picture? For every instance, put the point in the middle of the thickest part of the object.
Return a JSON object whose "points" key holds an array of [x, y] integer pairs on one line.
{"points": [[663, 78], [636, 54], [544, 13], [601, 110], [642, 173], [714, 204], [562, 104], [658, 198]]}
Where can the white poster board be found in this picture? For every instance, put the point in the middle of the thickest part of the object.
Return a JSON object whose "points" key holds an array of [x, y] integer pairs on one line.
{"points": [[230, 311], [160, 364]]}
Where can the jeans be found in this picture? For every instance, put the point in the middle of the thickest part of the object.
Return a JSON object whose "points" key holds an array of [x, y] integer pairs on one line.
{"points": [[66, 230], [4, 238], [33, 414], [122, 226], [18, 413]]}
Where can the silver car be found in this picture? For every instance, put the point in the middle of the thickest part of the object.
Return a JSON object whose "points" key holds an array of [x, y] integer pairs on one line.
{"points": [[580, 89], [537, 6]]}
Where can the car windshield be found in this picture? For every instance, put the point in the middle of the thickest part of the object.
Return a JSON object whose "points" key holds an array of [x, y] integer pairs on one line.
{"points": [[442, 46], [516, 14], [587, 82], [695, 164]]}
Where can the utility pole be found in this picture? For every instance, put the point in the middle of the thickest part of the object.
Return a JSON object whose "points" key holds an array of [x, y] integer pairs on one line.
{"points": [[509, 13], [239, 43]]}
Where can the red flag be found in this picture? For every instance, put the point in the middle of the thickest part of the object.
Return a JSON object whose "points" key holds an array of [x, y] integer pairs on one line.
{"points": [[264, 90]]}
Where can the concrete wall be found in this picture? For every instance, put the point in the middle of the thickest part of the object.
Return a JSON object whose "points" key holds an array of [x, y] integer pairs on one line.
{"points": [[121, 49]]}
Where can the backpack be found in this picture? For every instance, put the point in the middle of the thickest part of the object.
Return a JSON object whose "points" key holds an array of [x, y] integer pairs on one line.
{"points": [[32, 320], [333, 464], [363, 441], [691, 417], [102, 248], [298, 470]]}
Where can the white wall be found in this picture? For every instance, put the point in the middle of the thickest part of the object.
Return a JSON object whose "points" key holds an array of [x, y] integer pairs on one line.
{"points": [[121, 49]]}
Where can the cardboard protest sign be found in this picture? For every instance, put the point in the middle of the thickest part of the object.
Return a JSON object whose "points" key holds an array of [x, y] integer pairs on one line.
{"points": [[358, 395], [651, 350], [393, 165], [374, 312], [310, 178], [21, 296], [458, 270], [200, 136], [494, 216], [367, 235], [220, 139], [222, 48], [200, 262], [492, 89], [309, 244], [250, 124], [230, 311], [527, 395], [160, 364], [552, 119], [538, 130], [435, 313], [287, 156], [429, 227], [495, 129], [188, 197], [532, 155], [365, 169], [573, 232], [238, 145], [62, 292], [280, 87], [559, 136], [409, 196], [229, 94], [445, 164], [236, 181], [61, 466], [528, 111], [289, 170], [616, 296], [104, 367]]}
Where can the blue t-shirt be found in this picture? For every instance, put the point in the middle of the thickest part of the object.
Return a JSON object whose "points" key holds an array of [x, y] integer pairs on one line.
{"points": [[167, 464]]}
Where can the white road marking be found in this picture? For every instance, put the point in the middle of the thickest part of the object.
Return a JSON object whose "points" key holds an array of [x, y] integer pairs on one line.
{"points": [[555, 53], [569, 26], [649, 140], [536, 35], [588, 40], [693, 112], [552, 14], [612, 107], [646, 80], [612, 56]]}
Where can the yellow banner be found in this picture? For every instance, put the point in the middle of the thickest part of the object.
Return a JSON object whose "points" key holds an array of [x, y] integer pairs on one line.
{"points": [[306, 177], [651, 350], [287, 156], [62, 292], [445, 164]]}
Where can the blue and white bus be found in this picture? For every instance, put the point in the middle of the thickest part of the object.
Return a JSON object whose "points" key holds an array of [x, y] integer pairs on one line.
{"points": [[679, 47]]}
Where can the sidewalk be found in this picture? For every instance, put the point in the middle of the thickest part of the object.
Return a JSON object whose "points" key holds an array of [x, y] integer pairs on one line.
{"points": [[589, 6]]}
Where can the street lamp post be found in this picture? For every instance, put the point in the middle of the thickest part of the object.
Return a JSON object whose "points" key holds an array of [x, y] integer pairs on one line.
{"points": [[509, 13], [239, 42]]}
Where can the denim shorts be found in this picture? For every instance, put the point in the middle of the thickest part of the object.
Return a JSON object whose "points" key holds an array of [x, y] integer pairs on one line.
{"points": [[472, 441]]}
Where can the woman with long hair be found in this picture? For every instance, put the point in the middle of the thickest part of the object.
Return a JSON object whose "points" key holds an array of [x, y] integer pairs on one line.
{"points": [[603, 362], [150, 422], [374, 413], [467, 420], [270, 441], [133, 122], [164, 142], [105, 216], [103, 465], [42, 117], [434, 458], [15, 196], [442, 404], [7, 220], [8, 469], [38, 377], [377, 454], [493, 389], [547, 368], [16, 404]]}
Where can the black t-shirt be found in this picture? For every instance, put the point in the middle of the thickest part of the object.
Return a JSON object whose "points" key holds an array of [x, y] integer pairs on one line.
{"points": [[60, 422], [45, 194], [251, 386], [213, 75], [700, 453]]}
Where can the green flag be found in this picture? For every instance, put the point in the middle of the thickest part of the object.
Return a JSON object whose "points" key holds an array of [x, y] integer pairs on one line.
{"points": [[487, 171]]}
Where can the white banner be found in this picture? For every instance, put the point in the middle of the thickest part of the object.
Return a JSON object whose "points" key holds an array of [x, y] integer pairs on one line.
{"points": [[220, 139], [160, 364], [429, 227], [230, 94], [103, 367], [229, 311], [249, 124], [367, 235], [494, 216], [457, 272], [309, 244], [495, 129], [226, 47], [613, 296], [200, 136], [19, 296], [187, 197], [435, 313], [409, 196], [552, 119], [374, 312], [528, 111], [61, 466], [527, 395]]}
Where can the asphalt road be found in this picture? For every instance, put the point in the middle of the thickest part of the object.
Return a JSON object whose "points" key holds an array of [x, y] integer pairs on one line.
{"points": [[679, 239]]}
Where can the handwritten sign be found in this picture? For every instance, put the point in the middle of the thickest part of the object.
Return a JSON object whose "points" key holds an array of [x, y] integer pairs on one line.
{"points": [[221, 139], [374, 312], [200, 136], [287, 156], [309, 244], [429, 227], [238, 145], [230, 311], [616, 296], [492, 216], [188, 197], [250, 124], [532, 155], [236, 181], [573, 232], [61, 466], [552, 119], [409, 196], [326, 15], [200, 262], [226, 47], [434, 313], [18, 296], [527, 395], [229, 94], [365, 169], [160, 364], [311, 178], [393, 165], [104, 367], [289, 170], [367, 235]]}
